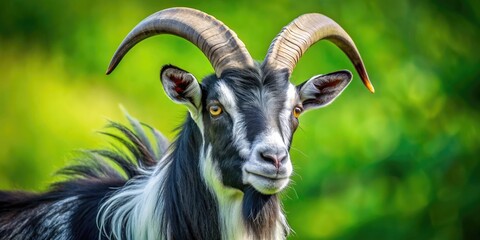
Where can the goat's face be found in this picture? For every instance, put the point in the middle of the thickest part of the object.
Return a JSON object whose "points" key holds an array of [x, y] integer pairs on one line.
{"points": [[247, 112], [247, 119]]}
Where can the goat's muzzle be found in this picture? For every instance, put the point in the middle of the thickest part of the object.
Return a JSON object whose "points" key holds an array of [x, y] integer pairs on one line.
{"points": [[269, 169]]}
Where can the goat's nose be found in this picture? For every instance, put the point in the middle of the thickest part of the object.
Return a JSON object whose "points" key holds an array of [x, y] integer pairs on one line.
{"points": [[276, 158]]}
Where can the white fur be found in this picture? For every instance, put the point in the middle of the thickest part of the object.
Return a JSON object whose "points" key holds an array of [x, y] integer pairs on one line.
{"points": [[286, 113], [229, 101], [135, 205], [229, 200], [254, 164]]}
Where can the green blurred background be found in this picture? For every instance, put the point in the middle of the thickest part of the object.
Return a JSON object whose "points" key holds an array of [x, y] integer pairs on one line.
{"points": [[398, 164]]}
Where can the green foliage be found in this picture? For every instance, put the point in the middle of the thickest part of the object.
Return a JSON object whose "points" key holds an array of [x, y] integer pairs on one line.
{"points": [[401, 163]]}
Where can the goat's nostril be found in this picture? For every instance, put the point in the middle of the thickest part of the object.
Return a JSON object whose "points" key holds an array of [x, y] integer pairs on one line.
{"points": [[275, 159]]}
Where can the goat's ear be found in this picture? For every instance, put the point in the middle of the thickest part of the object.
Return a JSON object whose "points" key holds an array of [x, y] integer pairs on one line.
{"points": [[181, 86], [321, 90]]}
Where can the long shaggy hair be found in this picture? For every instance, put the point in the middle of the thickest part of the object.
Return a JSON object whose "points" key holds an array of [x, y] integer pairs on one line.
{"points": [[69, 209]]}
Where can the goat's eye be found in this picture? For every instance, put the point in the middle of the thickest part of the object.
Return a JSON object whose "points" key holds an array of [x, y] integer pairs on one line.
{"points": [[297, 111], [215, 110]]}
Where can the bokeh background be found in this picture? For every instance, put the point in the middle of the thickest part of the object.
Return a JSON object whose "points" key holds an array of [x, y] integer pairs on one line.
{"points": [[398, 164]]}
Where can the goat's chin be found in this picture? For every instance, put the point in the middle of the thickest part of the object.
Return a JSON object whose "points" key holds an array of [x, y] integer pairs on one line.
{"points": [[265, 178], [266, 185]]}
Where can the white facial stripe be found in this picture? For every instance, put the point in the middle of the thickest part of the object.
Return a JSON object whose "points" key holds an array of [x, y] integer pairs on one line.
{"points": [[292, 96], [286, 113], [226, 96], [228, 100]]}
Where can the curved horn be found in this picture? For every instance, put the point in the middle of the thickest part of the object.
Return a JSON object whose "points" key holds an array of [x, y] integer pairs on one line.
{"points": [[220, 45], [294, 39]]}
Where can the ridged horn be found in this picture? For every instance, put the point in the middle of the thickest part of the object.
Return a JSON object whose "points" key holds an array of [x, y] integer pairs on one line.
{"points": [[220, 45], [294, 39]]}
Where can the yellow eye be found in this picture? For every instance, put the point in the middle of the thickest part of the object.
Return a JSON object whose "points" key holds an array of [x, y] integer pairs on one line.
{"points": [[215, 110], [297, 111]]}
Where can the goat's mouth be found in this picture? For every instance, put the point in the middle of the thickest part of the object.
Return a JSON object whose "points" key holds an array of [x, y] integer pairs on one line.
{"points": [[266, 183]]}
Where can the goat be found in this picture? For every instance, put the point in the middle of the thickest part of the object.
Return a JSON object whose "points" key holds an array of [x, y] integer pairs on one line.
{"points": [[221, 177]]}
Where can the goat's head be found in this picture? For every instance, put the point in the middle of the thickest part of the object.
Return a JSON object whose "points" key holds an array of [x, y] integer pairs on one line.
{"points": [[247, 112]]}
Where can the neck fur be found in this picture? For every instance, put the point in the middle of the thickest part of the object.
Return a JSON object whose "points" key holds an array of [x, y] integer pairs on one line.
{"points": [[183, 198]]}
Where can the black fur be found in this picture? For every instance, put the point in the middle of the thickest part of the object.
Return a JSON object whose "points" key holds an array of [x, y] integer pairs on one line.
{"points": [[35, 209], [190, 209]]}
